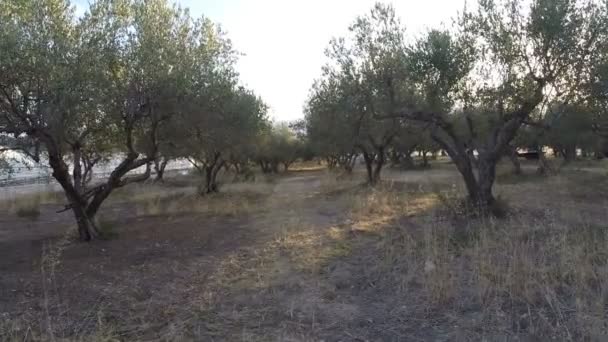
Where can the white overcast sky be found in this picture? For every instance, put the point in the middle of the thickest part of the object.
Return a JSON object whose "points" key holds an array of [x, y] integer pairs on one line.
{"points": [[283, 41]]}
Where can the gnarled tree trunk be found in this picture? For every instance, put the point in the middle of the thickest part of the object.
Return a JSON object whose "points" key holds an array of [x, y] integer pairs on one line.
{"points": [[425, 159], [86, 203], [490, 150], [373, 165], [347, 161], [369, 167], [159, 168], [211, 169], [569, 153]]}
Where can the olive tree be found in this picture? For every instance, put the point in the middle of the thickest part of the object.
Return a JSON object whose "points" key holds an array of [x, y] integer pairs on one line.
{"points": [[224, 121], [327, 126], [76, 90], [596, 102], [286, 144], [570, 128], [506, 62], [367, 68]]}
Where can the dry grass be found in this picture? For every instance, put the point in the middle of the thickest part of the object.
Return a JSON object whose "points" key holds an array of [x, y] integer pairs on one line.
{"points": [[43, 324], [306, 166], [401, 266], [532, 275], [309, 250], [234, 199], [535, 273], [28, 205]]}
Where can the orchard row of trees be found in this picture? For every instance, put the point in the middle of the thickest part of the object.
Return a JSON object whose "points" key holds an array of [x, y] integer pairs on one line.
{"points": [[137, 80], [143, 81], [509, 74]]}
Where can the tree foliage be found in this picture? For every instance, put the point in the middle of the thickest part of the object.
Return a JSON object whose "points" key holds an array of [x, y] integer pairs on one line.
{"points": [[364, 79], [131, 79], [503, 66]]}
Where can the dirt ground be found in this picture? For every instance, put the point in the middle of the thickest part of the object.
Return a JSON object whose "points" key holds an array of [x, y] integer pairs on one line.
{"points": [[307, 257]]}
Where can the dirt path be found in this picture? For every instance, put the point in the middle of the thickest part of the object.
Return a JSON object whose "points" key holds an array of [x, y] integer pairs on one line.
{"points": [[302, 197], [145, 281]]}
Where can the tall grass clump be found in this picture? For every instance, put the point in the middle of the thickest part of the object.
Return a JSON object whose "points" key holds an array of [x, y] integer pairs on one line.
{"points": [[28, 205]]}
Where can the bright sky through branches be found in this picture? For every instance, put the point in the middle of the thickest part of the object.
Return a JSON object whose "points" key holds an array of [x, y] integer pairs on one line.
{"points": [[283, 41]]}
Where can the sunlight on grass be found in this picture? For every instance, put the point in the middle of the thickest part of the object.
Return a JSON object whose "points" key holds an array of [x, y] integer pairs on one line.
{"points": [[374, 209], [311, 250], [239, 199]]}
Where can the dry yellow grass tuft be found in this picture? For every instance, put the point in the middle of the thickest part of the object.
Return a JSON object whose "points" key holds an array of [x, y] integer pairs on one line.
{"points": [[310, 251], [374, 208], [233, 200], [398, 263], [542, 271], [28, 205]]}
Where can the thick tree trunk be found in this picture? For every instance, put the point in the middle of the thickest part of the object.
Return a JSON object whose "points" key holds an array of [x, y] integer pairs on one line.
{"points": [[515, 160], [472, 157], [373, 166], [479, 189], [465, 167], [490, 150], [85, 222], [159, 167], [425, 160], [211, 170], [83, 202], [569, 154], [210, 184], [116, 181], [266, 166], [87, 229], [369, 161], [486, 174], [380, 160]]}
